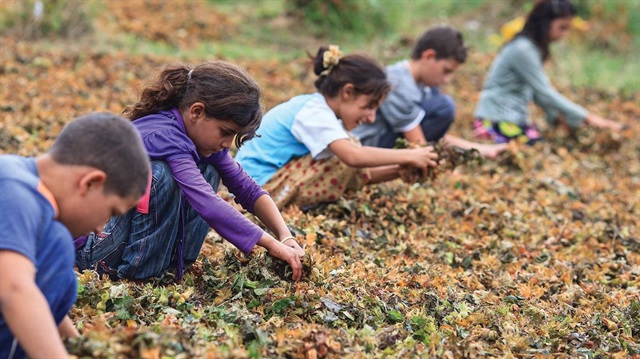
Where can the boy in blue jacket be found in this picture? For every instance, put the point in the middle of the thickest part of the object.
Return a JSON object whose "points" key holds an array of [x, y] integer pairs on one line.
{"points": [[96, 168]]}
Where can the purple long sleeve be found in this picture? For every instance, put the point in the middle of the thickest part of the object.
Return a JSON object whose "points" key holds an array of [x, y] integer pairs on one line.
{"points": [[219, 214], [244, 188], [165, 138]]}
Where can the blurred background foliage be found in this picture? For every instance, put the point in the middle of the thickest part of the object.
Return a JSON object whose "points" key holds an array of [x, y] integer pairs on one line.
{"points": [[604, 55]]}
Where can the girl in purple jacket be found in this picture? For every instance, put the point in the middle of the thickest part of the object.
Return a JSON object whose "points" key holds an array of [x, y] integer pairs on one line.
{"points": [[188, 118]]}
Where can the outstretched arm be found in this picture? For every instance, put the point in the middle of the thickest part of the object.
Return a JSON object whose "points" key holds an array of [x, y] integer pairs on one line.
{"points": [[25, 309], [486, 150], [366, 156], [289, 250], [416, 135], [67, 329], [265, 209], [268, 213], [599, 122]]}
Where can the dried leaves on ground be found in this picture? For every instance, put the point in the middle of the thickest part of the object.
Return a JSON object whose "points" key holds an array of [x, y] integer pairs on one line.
{"points": [[534, 254]]}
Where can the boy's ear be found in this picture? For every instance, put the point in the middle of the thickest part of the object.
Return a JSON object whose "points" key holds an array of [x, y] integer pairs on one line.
{"points": [[196, 110], [429, 54], [91, 180]]}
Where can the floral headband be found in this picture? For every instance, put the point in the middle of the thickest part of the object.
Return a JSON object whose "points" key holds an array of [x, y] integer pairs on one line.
{"points": [[330, 59]]}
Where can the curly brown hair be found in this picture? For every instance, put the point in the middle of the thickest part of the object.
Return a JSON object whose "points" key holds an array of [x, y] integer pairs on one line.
{"points": [[228, 92]]}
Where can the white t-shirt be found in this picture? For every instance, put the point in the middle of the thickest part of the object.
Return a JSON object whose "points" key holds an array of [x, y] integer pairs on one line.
{"points": [[317, 126]]}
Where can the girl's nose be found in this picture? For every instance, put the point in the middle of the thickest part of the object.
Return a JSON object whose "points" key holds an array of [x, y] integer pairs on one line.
{"points": [[371, 116]]}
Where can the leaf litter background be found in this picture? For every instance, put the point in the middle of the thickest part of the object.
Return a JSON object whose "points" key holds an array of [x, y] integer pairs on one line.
{"points": [[532, 255]]}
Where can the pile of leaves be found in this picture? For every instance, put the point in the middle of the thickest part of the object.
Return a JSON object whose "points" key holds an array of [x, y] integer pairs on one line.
{"points": [[534, 254], [42, 89], [448, 159]]}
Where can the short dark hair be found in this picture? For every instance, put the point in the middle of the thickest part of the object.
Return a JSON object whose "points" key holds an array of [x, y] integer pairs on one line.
{"points": [[538, 24], [360, 70], [446, 41], [228, 92], [109, 143]]}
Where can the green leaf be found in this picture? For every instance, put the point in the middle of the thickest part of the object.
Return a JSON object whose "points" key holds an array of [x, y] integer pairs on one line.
{"points": [[395, 316], [253, 303], [279, 305]]}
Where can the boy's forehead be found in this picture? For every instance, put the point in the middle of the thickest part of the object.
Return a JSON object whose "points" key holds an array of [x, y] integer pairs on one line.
{"points": [[449, 63]]}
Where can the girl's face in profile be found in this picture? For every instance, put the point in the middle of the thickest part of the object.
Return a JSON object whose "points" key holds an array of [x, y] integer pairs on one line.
{"points": [[217, 136], [210, 135], [213, 135], [357, 110], [559, 28]]}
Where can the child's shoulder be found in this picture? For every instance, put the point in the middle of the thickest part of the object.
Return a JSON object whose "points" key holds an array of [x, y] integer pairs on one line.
{"points": [[521, 44], [315, 104], [400, 76], [398, 70], [307, 98], [18, 168], [398, 67], [21, 186]]}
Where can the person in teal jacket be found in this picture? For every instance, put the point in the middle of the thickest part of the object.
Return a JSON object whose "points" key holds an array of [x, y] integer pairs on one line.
{"points": [[517, 77]]}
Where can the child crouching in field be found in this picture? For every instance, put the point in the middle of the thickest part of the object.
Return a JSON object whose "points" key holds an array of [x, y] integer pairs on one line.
{"points": [[188, 118], [517, 77], [416, 109], [305, 154], [97, 168]]}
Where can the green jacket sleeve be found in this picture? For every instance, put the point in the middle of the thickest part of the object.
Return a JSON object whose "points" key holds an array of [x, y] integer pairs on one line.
{"points": [[529, 67]]}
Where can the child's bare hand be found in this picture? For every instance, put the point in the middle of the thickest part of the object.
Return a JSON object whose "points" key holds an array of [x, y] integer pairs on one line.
{"points": [[491, 151], [423, 157], [600, 122], [290, 255], [294, 244]]}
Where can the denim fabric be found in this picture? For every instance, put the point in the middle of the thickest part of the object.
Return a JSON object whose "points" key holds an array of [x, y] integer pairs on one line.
{"points": [[439, 115], [140, 246]]}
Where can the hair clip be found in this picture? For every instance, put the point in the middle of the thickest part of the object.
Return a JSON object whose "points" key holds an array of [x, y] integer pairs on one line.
{"points": [[330, 59]]}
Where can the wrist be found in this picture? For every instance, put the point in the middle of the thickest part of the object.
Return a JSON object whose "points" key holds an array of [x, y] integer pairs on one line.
{"points": [[267, 241], [285, 239]]}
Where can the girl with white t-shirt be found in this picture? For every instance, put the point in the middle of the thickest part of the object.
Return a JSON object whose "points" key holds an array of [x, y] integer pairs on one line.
{"points": [[304, 154]]}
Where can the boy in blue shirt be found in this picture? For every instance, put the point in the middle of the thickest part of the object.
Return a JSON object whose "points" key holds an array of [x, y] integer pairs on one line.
{"points": [[96, 168], [415, 108]]}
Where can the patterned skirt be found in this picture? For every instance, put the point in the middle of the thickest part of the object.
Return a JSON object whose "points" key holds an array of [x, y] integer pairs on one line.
{"points": [[504, 131], [304, 181]]}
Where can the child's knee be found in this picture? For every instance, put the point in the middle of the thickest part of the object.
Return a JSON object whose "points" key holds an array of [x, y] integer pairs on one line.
{"points": [[440, 108], [162, 176]]}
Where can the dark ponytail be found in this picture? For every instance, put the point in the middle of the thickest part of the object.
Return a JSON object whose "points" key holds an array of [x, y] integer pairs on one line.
{"points": [[164, 91], [362, 71]]}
